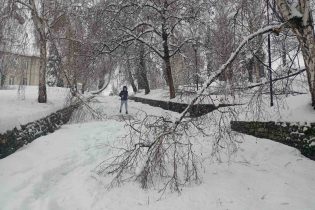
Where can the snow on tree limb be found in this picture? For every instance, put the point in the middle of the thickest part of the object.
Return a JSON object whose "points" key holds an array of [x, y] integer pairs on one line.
{"points": [[275, 79], [138, 38], [224, 66]]}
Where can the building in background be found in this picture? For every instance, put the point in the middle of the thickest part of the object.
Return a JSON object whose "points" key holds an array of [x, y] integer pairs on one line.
{"points": [[17, 69]]}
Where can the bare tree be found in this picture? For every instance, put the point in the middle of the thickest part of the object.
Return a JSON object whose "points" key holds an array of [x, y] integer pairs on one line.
{"points": [[252, 15], [154, 24], [42, 15], [162, 148], [143, 82], [223, 44]]}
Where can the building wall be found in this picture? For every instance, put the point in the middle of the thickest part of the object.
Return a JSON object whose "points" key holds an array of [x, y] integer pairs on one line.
{"points": [[19, 69]]}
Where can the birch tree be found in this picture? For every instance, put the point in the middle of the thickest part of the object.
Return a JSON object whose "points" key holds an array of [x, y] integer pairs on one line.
{"points": [[42, 13], [298, 14], [37, 15]]}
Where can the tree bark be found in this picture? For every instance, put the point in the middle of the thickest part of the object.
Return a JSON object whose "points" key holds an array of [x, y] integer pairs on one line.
{"points": [[284, 53], [304, 30], [101, 83], [167, 61], [101, 77], [209, 53], [42, 93], [41, 32], [130, 77], [142, 77]]}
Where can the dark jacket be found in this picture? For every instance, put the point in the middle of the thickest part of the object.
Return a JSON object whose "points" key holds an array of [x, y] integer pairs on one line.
{"points": [[123, 95]]}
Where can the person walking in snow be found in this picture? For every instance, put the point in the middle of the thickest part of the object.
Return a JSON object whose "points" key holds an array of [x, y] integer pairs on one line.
{"points": [[124, 99]]}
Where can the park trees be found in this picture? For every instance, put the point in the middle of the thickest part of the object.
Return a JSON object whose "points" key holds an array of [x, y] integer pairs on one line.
{"points": [[154, 24]]}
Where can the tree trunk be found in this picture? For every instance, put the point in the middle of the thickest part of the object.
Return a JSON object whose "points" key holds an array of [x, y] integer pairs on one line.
{"points": [[304, 30], [308, 51], [169, 76], [101, 78], [250, 67], [101, 83], [130, 77], [142, 77], [2, 79], [209, 53], [2, 73], [83, 87], [41, 32], [42, 93], [167, 61], [284, 53], [261, 56]]}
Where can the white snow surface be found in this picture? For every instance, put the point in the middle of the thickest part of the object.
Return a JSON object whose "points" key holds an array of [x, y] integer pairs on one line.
{"points": [[289, 109], [56, 172], [15, 111]]}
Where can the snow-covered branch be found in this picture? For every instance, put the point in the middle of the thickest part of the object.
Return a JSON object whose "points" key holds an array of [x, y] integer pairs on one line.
{"points": [[140, 39], [276, 79], [179, 47], [224, 66]]}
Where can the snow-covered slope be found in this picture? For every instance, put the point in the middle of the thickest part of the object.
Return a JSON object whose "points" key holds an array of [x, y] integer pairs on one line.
{"points": [[56, 172], [16, 111], [291, 108]]}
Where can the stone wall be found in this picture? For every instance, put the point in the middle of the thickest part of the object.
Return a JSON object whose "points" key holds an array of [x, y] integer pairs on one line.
{"points": [[298, 135], [196, 110], [14, 139]]}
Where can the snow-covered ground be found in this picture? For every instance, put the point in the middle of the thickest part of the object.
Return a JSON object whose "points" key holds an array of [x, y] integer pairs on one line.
{"points": [[291, 108], [56, 172], [287, 109], [16, 111]]}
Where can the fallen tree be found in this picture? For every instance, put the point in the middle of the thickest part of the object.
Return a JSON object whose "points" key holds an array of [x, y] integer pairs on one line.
{"points": [[161, 148]]}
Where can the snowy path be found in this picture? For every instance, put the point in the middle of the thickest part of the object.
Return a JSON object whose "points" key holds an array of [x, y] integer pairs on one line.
{"points": [[55, 172]]}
